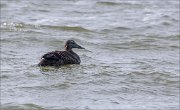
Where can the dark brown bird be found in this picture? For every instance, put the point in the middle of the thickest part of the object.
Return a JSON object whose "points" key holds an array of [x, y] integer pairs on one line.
{"points": [[59, 58]]}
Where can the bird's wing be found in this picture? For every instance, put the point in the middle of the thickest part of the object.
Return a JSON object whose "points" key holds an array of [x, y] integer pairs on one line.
{"points": [[50, 55], [59, 55], [65, 56]]}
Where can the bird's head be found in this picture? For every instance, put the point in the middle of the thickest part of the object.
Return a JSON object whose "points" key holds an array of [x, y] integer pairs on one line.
{"points": [[70, 44]]}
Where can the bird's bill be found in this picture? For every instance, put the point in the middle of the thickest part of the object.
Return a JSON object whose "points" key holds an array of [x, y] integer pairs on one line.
{"points": [[79, 47]]}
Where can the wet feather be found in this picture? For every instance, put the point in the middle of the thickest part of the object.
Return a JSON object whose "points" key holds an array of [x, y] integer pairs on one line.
{"points": [[58, 58]]}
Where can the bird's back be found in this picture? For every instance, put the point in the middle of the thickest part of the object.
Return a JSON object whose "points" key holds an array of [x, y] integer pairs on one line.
{"points": [[58, 58]]}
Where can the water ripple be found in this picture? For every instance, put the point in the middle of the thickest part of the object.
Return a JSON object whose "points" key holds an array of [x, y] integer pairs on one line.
{"points": [[67, 28], [27, 106], [26, 27]]}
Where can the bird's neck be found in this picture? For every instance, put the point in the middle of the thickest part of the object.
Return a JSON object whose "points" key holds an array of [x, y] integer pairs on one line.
{"points": [[68, 48]]}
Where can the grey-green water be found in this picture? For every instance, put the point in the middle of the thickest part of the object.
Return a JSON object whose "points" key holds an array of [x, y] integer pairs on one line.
{"points": [[131, 59]]}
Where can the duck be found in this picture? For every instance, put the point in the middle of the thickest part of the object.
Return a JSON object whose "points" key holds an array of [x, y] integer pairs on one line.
{"points": [[60, 58]]}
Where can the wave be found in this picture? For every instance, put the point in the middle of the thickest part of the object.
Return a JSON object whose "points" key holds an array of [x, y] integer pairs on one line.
{"points": [[19, 27], [126, 4], [144, 44], [49, 87], [121, 28], [28, 106], [2, 5], [67, 28], [15, 26], [107, 3], [153, 78]]}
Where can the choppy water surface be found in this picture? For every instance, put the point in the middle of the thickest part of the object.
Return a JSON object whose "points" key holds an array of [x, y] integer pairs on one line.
{"points": [[131, 59]]}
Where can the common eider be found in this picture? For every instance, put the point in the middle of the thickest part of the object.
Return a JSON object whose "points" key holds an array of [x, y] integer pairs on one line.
{"points": [[59, 58]]}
